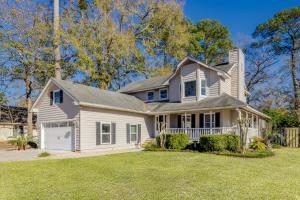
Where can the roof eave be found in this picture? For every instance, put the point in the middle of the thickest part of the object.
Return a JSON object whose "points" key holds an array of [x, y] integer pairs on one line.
{"points": [[142, 90], [201, 109], [112, 108], [51, 80]]}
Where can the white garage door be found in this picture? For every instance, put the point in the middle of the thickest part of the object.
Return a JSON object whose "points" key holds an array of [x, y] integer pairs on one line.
{"points": [[59, 136]]}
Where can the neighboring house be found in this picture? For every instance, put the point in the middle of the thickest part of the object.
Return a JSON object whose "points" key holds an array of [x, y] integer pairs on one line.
{"points": [[196, 99], [13, 121]]}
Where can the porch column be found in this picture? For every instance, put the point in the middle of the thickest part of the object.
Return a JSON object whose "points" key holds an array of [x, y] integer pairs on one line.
{"points": [[198, 87], [184, 119], [239, 118]]}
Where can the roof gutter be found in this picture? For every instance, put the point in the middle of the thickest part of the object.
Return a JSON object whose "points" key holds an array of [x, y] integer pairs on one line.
{"points": [[112, 108], [142, 90], [203, 109], [249, 108]]}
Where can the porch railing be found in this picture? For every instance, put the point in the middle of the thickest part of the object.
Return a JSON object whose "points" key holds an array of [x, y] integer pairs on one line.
{"points": [[195, 133]]}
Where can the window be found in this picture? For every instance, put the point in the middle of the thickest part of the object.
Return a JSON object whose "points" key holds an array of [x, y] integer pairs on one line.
{"points": [[187, 123], [57, 96], [190, 88], [203, 87], [133, 133], [150, 96], [209, 120], [163, 94], [105, 133]]}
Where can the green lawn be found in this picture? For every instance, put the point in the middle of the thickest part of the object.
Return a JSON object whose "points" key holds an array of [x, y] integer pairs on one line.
{"points": [[154, 175]]}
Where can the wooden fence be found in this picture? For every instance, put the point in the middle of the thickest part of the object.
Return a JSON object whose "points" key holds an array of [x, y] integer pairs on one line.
{"points": [[292, 137]]}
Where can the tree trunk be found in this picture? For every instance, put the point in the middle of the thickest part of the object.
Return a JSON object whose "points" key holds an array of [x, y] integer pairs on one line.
{"points": [[29, 117], [29, 104], [56, 39], [295, 84]]}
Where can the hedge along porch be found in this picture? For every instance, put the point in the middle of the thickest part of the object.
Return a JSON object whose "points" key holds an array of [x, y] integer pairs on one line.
{"points": [[202, 122]]}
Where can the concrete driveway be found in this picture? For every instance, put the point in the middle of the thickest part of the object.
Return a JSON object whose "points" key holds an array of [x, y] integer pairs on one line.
{"points": [[32, 154], [14, 155]]}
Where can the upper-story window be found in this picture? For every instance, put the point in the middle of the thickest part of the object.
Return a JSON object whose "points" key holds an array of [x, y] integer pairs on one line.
{"points": [[190, 88], [150, 96], [203, 87], [163, 94], [56, 97]]}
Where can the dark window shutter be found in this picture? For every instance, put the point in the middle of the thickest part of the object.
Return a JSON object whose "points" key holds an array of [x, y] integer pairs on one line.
{"points": [[139, 134], [61, 95], [98, 133], [128, 133], [51, 98], [113, 133], [201, 120], [217, 119], [178, 121], [193, 121]]}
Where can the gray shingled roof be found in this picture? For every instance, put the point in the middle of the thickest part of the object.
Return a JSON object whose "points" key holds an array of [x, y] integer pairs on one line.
{"points": [[222, 101], [95, 96], [151, 83], [91, 95], [224, 67]]}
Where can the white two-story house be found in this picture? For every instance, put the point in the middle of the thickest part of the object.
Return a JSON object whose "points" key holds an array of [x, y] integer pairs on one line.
{"points": [[197, 99]]}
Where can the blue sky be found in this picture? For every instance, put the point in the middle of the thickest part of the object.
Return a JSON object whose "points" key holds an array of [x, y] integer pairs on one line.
{"points": [[240, 16]]}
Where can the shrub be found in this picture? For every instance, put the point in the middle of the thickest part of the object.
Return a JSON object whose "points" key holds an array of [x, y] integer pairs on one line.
{"points": [[177, 141], [21, 141], [276, 146], [44, 154], [150, 145], [233, 142], [219, 142], [258, 144]]}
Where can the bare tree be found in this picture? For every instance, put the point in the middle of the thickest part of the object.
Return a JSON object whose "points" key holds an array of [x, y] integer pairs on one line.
{"points": [[56, 39], [259, 62]]}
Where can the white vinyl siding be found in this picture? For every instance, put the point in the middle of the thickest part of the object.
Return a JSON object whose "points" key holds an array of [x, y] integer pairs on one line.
{"points": [[143, 95], [174, 88], [66, 111], [225, 86], [188, 73], [89, 116]]}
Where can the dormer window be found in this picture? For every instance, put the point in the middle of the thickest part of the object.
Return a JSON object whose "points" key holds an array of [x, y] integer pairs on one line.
{"points": [[203, 87], [163, 94], [150, 96], [56, 97], [190, 88]]}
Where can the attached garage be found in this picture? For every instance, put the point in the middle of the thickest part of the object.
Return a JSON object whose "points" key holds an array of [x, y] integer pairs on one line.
{"points": [[58, 136]]}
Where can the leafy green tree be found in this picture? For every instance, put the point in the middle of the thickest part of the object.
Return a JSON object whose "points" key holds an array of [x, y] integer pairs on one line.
{"points": [[210, 41], [281, 118], [282, 34], [114, 40], [26, 50], [3, 100]]}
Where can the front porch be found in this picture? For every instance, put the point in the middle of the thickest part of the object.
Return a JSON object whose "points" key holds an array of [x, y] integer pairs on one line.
{"points": [[197, 123]]}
